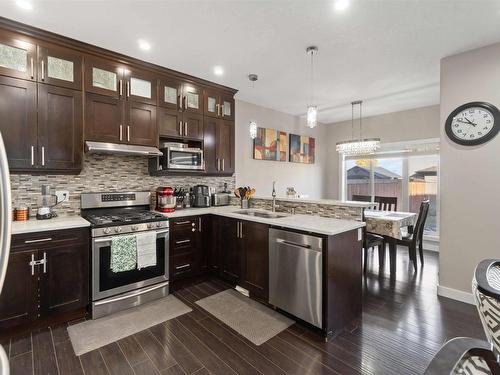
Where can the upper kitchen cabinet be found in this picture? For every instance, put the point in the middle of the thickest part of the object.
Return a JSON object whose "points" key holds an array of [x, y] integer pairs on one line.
{"points": [[60, 128], [218, 104], [192, 98], [170, 93], [141, 126], [17, 56], [140, 86], [103, 118], [59, 67], [224, 146], [18, 111], [104, 77]]}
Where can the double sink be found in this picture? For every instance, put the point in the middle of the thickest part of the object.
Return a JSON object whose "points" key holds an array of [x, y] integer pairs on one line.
{"points": [[263, 214]]}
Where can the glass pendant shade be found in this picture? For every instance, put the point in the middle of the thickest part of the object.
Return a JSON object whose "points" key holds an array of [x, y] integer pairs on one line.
{"points": [[312, 116], [253, 129], [358, 147]]}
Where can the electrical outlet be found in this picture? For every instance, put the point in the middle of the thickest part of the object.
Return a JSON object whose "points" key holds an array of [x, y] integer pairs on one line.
{"points": [[62, 195]]}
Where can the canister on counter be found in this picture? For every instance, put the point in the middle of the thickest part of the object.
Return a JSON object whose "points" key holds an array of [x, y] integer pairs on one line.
{"points": [[22, 213]]}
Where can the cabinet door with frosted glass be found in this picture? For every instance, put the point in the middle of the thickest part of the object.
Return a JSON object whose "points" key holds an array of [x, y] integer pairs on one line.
{"points": [[192, 98], [59, 67], [212, 103], [227, 107], [170, 93], [104, 77], [17, 56], [140, 86]]}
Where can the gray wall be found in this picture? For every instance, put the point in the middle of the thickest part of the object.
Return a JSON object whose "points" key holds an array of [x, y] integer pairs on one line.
{"points": [[470, 176], [420, 123], [306, 178]]}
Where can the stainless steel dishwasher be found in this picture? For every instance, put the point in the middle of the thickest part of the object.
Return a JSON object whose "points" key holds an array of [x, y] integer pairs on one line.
{"points": [[295, 274]]}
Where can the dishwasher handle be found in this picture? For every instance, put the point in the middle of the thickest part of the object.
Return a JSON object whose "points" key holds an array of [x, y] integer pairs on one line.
{"points": [[294, 244]]}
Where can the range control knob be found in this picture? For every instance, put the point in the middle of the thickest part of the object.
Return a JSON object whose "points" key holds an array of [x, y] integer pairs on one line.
{"points": [[158, 224], [118, 229], [149, 225], [135, 227], [106, 231]]}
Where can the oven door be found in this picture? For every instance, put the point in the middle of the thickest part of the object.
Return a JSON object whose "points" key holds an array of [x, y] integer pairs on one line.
{"points": [[106, 283], [184, 158]]}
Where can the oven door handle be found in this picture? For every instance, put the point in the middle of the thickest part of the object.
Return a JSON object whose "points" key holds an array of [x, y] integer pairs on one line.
{"points": [[108, 239], [129, 295]]}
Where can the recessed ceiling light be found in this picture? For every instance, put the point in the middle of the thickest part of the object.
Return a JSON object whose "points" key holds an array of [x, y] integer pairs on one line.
{"points": [[341, 4], [218, 71], [144, 45], [24, 4]]}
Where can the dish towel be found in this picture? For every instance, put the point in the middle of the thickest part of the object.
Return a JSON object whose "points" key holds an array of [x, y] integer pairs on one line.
{"points": [[146, 249], [123, 253]]}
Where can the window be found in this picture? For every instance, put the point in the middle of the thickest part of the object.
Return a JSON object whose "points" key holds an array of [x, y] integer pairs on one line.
{"points": [[409, 172]]}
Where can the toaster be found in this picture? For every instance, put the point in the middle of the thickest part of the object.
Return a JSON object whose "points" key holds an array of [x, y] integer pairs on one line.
{"points": [[221, 199]]}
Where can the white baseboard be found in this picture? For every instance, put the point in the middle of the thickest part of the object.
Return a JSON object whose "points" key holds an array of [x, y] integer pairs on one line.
{"points": [[455, 294]]}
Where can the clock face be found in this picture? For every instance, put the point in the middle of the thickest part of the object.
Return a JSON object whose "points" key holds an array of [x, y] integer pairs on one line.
{"points": [[473, 123]]}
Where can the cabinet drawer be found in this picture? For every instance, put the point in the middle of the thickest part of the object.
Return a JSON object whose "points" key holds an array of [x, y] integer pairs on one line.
{"points": [[184, 224], [182, 244], [183, 265], [41, 240]]}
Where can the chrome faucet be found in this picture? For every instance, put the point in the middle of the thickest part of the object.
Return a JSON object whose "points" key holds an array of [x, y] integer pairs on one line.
{"points": [[274, 205]]}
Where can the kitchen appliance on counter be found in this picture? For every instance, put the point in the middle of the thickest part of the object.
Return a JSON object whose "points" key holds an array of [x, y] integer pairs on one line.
{"points": [[201, 196], [165, 199], [298, 293], [223, 198], [46, 202], [180, 156], [111, 216]]}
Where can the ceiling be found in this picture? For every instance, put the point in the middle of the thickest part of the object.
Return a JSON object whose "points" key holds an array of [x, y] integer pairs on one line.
{"points": [[384, 52]]}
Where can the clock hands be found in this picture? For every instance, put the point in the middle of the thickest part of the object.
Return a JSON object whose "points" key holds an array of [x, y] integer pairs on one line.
{"points": [[467, 122]]}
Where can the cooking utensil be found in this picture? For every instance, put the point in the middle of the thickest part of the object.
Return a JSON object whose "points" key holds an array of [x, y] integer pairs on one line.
{"points": [[237, 193]]}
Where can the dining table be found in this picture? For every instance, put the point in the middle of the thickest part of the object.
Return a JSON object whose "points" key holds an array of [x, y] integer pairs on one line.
{"points": [[389, 224]]}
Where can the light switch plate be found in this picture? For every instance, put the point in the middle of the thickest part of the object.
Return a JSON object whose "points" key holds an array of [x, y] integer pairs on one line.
{"points": [[62, 195]]}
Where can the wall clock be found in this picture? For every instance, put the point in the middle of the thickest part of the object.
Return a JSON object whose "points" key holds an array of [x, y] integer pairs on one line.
{"points": [[473, 123]]}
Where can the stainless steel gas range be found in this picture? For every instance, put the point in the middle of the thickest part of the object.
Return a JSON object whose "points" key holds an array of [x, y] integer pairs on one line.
{"points": [[113, 215]]}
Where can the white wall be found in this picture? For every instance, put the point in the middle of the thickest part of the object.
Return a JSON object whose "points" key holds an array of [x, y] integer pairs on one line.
{"points": [[470, 176], [307, 179], [420, 123]]}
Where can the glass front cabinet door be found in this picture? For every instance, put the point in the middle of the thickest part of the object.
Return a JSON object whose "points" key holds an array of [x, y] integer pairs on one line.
{"points": [[104, 78], [140, 86], [60, 67], [170, 94], [17, 57], [192, 100]]}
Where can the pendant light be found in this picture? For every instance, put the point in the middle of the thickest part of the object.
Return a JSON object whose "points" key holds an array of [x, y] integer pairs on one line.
{"points": [[312, 110], [358, 146], [252, 127]]}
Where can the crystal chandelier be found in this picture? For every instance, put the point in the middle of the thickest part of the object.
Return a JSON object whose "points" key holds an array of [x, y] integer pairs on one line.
{"points": [[312, 110], [358, 146]]}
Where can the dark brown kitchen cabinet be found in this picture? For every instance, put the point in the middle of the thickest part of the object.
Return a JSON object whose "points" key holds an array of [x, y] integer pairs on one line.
{"points": [[229, 249], [60, 67], [103, 118], [47, 275], [218, 104], [18, 114], [60, 128], [209, 143], [193, 126], [192, 98], [141, 126], [170, 93], [140, 86], [17, 56], [104, 77], [218, 146], [169, 122], [254, 242]]}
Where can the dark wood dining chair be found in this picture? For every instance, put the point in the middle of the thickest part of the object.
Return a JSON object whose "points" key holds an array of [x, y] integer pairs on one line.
{"points": [[414, 237], [387, 203]]}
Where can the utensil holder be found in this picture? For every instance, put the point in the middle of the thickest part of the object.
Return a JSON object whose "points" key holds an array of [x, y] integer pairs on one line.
{"points": [[244, 203]]}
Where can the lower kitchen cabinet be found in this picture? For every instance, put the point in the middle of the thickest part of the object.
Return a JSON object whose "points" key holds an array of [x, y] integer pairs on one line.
{"points": [[229, 249], [47, 274]]}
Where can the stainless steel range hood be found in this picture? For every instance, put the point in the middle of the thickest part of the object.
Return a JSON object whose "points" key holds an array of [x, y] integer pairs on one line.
{"points": [[120, 149]]}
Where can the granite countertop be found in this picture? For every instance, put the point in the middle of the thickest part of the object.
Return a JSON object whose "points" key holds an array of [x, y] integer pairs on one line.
{"points": [[332, 202], [308, 223], [58, 223]]}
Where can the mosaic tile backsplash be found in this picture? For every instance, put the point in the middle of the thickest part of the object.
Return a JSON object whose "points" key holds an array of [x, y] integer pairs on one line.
{"points": [[102, 173]]}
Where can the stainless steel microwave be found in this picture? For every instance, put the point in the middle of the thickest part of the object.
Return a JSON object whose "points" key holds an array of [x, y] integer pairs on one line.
{"points": [[180, 156]]}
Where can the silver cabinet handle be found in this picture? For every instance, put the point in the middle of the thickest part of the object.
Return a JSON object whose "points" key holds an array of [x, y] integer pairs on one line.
{"points": [[182, 222], [128, 89], [38, 240], [32, 264], [43, 70], [199, 224], [180, 127], [185, 102], [241, 229], [182, 241], [237, 229], [179, 101], [121, 132], [217, 108], [128, 133], [43, 156], [32, 155], [222, 110], [44, 260], [185, 128], [218, 164], [120, 85], [32, 69], [223, 167], [183, 266]]}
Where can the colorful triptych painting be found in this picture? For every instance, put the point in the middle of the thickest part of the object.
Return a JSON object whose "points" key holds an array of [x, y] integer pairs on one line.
{"points": [[270, 144], [302, 149]]}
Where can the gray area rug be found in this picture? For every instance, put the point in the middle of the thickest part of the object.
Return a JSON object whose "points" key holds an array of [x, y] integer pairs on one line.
{"points": [[249, 318], [93, 334]]}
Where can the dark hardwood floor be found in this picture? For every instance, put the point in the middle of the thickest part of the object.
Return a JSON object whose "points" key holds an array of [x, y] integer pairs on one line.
{"points": [[403, 324]]}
